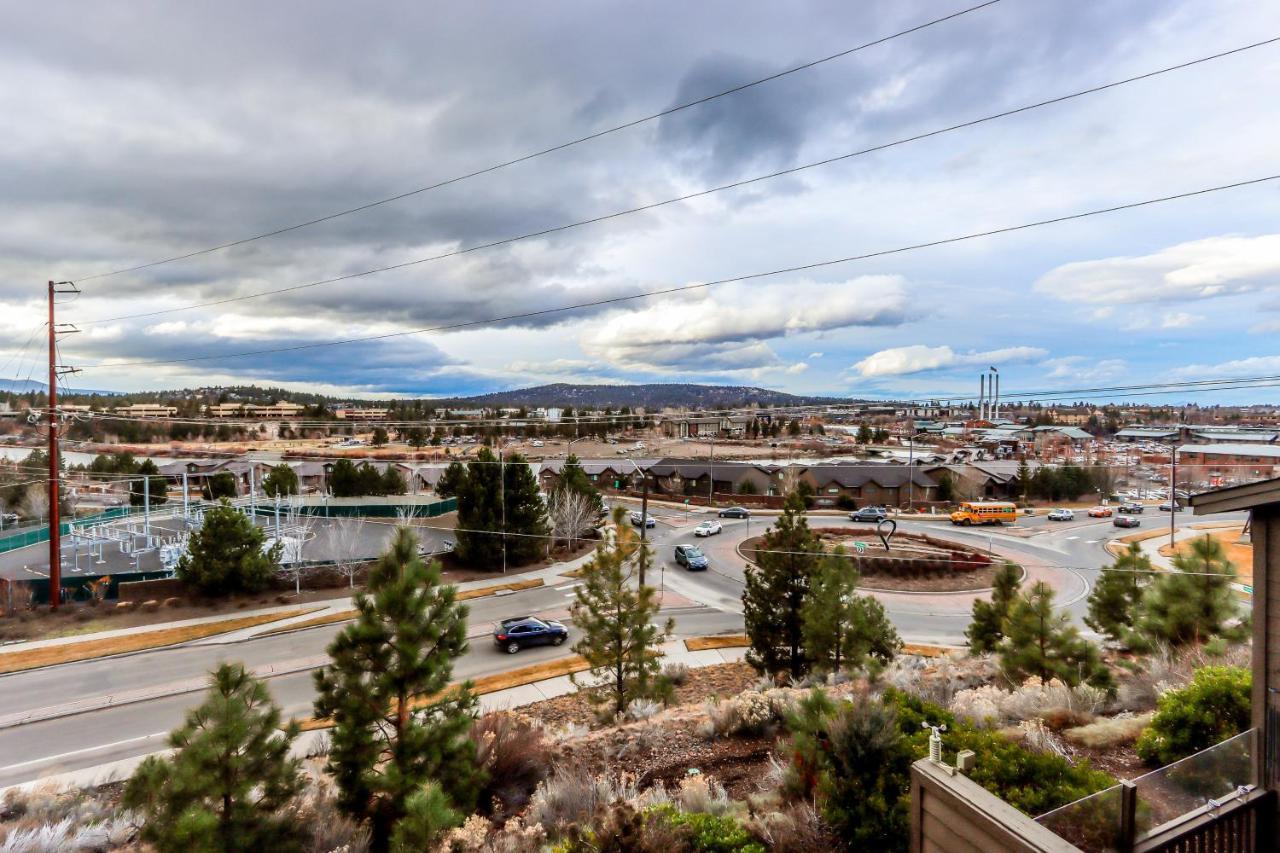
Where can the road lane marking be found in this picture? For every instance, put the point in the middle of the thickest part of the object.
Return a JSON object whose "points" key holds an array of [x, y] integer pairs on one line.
{"points": [[99, 748]]}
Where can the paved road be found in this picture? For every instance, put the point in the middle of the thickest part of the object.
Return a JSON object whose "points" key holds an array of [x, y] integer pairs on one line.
{"points": [[1064, 554]]}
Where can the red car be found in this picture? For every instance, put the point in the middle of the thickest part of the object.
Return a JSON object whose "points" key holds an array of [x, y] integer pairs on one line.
{"points": [[1100, 512]]}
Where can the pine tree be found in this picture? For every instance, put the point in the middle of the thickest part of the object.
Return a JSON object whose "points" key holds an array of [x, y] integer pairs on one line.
{"points": [[844, 630], [1024, 479], [775, 592], [395, 726], [427, 815], [280, 480], [379, 437], [1193, 602], [864, 434], [574, 479], [156, 490], [452, 480], [1039, 642], [987, 628], [1114, 601], [226, 554], [615, 619], [480, 512], [344, 479], [525, 518], [224, 786]]}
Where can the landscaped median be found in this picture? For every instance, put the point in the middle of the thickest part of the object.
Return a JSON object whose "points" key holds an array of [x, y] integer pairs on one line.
{"points": [[16, 661], [1121, 544], [736, 641], [493, 683], [350, 613]]}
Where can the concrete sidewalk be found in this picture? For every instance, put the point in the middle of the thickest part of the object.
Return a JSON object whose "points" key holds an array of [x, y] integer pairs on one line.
{"points": [[314, 742]]}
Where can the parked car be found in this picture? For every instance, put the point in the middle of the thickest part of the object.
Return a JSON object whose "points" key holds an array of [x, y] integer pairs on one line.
{"points": [[1100, 512], [512, 635], [1168, 506], [691, 557], [734, 512], [869, 513], [1131, 509], [1127, 521], [1061, 515], [537, 442], [649, 520], [446, 546], [708, 528]]}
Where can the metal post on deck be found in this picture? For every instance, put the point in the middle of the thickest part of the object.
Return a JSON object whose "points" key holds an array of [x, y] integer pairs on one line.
{"points": [[1128, 816]]}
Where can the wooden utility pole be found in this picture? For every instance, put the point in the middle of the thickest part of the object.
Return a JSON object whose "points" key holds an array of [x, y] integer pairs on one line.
{"points": [[55, 514]]}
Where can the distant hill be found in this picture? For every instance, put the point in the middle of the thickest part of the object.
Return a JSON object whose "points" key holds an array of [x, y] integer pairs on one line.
{"points": [[650, 396], [20, 386]]}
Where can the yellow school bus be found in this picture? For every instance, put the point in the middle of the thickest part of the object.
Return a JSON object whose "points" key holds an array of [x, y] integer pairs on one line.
{"points": [[979, 512]]}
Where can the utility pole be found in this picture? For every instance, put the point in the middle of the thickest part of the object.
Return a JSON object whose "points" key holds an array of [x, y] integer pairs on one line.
{"points": [[55, 515], [644, 522], [1173, 490]]}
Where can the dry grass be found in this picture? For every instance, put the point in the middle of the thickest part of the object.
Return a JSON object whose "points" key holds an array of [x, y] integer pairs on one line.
{"points": [[722, 641], [514, 586], [70, 652], [347, 615], [925, 650], [1240, 554], [493, 683], [1119, 545]]}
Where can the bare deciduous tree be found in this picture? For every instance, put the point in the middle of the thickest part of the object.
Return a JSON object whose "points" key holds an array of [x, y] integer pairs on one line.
{"points": [[342, 538], [571, 514], [35, 503]]}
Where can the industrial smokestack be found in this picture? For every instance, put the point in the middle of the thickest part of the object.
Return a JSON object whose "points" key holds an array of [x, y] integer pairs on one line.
{"points": [[982, 396], [997, 397]]}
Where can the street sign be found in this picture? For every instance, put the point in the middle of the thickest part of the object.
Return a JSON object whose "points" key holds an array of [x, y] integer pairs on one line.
{"points": [[860, 547]]}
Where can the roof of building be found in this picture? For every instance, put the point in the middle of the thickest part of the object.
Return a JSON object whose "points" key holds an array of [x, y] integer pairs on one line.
{"points": [[854, 476], [1146, 432], [1267, 450], [1226, 435], [1071, 432]]}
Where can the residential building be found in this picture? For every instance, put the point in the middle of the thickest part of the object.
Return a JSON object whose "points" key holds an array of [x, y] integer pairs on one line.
{"points": [[869, 484]]}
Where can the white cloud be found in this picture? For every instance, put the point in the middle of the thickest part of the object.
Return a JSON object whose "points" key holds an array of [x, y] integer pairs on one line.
{"points": [[728, 331], [1177, 320], [172, 327], [1252, 366], [1200, 269], [920, 358], [815, 355], [1078, 368]]}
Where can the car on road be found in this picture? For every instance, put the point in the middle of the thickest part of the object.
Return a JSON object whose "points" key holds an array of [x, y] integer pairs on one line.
{"points": [[1100, 512], [649, 520], [708, 528], [1061, 515], [1127, 521], [734, 512], [692, 558], [512, 635], [869, 513], [537, 442], [1131, 509], [1168, 506]]}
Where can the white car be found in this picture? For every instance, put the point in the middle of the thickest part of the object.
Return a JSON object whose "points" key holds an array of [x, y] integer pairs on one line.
{"points": [[536, 443], [1061, 515], [708, 528]]}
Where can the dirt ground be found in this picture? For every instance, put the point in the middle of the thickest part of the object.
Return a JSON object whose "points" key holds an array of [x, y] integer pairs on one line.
{"points": [[721, 680], [1239, 553]]}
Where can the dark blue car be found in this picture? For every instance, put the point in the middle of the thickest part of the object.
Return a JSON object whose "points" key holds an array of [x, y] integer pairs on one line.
{"points": [[691, 557], [512, 635]]}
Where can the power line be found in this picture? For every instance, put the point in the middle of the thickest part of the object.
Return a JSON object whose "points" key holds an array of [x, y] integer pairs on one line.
{"points": [[558, 147], [616, 300], [693, 195]]}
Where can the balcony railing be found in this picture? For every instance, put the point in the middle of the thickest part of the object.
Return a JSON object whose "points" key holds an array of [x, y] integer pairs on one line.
{"points": [[1159, 809]]}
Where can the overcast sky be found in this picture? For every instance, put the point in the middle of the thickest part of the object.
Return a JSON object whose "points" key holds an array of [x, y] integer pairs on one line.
{"points": [[134, 131]]}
